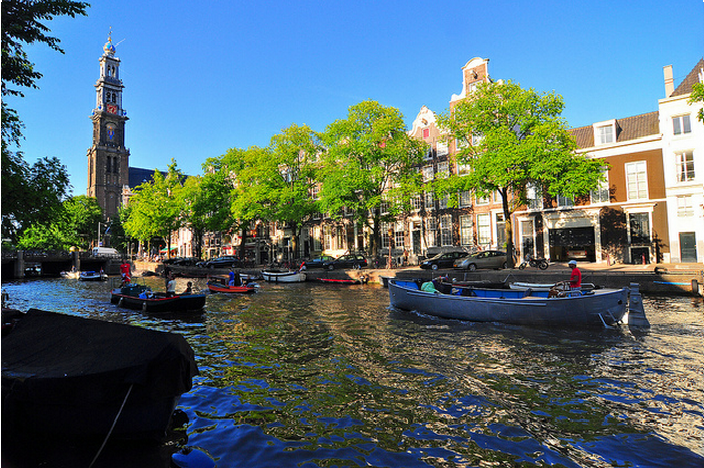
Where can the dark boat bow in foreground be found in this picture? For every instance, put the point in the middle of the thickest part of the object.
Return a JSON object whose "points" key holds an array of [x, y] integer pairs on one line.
{"points": [[70, 376]]}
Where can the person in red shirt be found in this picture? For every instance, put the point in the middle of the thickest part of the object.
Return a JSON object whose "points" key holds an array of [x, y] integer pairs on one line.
{"points": [[125, 272], [576, 276]]}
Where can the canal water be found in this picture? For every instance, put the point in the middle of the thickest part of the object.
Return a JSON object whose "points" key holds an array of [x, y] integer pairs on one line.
{"points": [[307, 375]]}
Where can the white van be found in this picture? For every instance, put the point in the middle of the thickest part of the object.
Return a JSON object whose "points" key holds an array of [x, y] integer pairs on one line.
{"points": [[105, 252]]}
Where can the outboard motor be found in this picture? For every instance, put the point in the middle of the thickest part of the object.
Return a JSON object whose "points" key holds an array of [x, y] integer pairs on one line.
{"points": [[636, 312]]}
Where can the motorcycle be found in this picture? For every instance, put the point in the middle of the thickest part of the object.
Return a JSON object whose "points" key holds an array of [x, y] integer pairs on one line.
{"points": [[534, 262]]}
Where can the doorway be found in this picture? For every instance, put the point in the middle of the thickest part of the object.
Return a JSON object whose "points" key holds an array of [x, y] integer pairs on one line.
{"points": [[688, 247]]}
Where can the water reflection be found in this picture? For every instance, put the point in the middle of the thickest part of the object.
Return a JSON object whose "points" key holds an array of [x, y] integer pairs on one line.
{"points": [[307, 375]]}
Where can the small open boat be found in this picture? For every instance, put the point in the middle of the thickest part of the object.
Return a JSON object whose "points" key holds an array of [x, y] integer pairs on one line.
{"points": [[223, 288], [69, 376], [522, 286], [93, 276], [343, 281], [284, 276], [140, 297], [599, 307], [70, 274]]}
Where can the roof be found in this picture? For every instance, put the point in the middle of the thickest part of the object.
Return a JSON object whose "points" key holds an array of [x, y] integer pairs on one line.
{"points": [[137, 176], [629, 128], [690, 80]]}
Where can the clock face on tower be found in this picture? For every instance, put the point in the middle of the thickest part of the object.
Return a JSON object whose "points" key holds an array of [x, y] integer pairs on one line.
{"points": [[112, 108]]}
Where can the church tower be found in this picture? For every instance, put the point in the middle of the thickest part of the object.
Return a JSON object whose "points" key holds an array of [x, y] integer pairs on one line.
{"points": [[108, 159]]}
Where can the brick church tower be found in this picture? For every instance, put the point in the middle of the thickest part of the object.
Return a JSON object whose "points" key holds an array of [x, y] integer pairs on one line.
{"points": [[108, 158]]}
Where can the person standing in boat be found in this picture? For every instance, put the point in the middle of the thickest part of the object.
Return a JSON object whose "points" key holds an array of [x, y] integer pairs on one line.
{"points": [[576, 276], [171, 286], [233, 279]]}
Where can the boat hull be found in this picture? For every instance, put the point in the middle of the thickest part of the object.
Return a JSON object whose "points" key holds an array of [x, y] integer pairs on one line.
{"points": [[598, 308], [221, 288], [284, 277], [179, 303], [69, 376]]}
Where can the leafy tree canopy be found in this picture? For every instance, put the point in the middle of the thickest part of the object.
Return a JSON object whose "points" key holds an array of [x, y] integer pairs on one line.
{"points": [[368, 154], [698, 96], [509, 138]]}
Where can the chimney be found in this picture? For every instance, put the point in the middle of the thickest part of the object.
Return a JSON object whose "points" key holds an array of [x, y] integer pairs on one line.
{"points": [[669, 81]]}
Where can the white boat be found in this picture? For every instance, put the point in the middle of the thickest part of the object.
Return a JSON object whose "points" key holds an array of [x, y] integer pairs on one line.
{"points": [[287, 276], [70, 274], [521, 286], [93, 276], [599, 307]]}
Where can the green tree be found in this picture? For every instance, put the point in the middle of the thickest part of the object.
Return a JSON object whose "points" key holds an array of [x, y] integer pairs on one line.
{"points": [[288, 177], [370, 162], [82, 214], [33, 195], [698, 96], [154, 209], [23, 24], [519, 140]]}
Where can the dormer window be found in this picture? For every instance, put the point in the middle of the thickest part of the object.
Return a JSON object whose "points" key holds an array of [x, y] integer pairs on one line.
{"points": [[605, 132]]}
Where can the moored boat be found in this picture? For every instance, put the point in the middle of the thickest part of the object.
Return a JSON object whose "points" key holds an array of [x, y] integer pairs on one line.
{"points": [[70, 274], [140, 297], [599, 307], [70, 376], [223, 288], [342, 281], [93, 276], [285, 276]]}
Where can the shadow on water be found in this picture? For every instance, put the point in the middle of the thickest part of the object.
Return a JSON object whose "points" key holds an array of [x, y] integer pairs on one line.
{"points": [[308, 375]]}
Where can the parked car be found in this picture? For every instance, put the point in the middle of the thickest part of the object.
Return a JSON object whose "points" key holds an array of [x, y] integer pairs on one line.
{"points": [[228, 261], [486, 259], [577, 253], [355, 261], [442, 260], [318, 262], [181, 261]]}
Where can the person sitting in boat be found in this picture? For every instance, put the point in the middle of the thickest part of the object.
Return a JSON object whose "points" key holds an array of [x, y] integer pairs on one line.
{"points": [[576, 276], [171, 287], [234, 279], [188, 290], [429, 286]]}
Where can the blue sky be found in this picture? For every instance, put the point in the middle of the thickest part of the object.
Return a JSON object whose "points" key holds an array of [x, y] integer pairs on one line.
{"points": [[204, 77]]}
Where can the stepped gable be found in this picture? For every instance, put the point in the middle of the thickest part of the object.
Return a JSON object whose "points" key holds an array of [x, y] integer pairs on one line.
{"points": [[693, 77]]}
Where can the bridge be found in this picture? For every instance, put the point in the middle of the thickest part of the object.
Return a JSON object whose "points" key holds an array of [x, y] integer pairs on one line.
{"points": [[23, 263]]}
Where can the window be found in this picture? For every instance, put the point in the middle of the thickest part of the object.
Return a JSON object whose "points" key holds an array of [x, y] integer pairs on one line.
{"points": [[444, 169], [640, 228], [681, 125], [500, 230], [427, 173], [685, 166], [442, 148], [431, 232], [601, 193], [466, 230], [482, 200], [604, 134], [684, 206], [465, 199], [463, 169], [484, 229], [385, 235], [636, 180], [565, 202], [398, 235], [416, 203], [429, 201], [426, 132], [446, 230], [535, 201], [442, 202]]}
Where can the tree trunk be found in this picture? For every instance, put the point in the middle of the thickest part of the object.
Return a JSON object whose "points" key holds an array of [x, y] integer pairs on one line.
{"points": [[508, 228]]}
